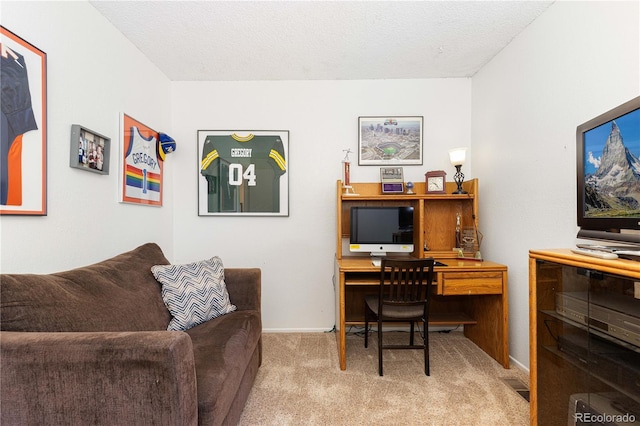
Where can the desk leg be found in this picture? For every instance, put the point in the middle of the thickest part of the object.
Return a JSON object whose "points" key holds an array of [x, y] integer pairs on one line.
{"points": [[341, 338], [491, 332], [505, 321]]}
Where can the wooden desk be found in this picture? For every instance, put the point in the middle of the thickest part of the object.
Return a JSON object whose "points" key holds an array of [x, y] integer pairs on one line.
{"points": [[466, 292]]}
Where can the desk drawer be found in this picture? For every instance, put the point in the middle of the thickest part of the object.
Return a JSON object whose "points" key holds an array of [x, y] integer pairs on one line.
{"points": [[469, 283]]}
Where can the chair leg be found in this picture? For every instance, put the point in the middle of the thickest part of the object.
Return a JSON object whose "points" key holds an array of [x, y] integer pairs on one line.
{"points": [[426, 350], [411, 333], [366, 325], [379, 347]]}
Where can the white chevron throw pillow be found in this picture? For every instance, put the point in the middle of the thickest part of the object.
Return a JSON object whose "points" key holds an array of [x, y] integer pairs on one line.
{"points": [[193, 292]]}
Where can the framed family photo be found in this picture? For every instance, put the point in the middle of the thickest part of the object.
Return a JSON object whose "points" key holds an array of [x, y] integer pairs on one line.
{"points": [[243, 173], [390, 140], [23, 157], [89, 150]]}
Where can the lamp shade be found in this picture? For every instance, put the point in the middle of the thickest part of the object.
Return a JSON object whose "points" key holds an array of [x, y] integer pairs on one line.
{"points": [[457, 156]]}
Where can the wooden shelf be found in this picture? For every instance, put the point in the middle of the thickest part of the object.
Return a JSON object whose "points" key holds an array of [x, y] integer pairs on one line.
{"points": [[452, 318], [439, 319], [404, 197], [434, 214], [372, 190]]}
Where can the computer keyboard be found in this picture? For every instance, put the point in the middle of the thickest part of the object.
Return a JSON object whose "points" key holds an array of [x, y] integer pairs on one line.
{"points": [[378, 262]]}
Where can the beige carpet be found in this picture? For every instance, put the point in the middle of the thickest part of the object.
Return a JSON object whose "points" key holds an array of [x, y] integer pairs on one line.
{"points": [[300, 383]]}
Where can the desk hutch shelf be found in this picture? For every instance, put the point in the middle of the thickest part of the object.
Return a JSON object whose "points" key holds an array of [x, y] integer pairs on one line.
{"points": [[434, 215]]}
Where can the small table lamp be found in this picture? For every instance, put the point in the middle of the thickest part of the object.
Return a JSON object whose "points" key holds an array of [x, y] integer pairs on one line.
{"points": [[457, 157]]}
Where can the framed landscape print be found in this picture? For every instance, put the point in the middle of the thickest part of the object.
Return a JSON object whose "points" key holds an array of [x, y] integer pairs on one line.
{"points": [[243, 173], [23, 151], [389, 141], [141, 167]]}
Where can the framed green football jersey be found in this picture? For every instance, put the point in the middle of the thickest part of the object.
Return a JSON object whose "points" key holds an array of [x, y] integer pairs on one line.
{"points": [[243, 173]]}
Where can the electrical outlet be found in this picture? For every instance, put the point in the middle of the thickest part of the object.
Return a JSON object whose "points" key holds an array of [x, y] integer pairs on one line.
{"points": [[636, 290]]}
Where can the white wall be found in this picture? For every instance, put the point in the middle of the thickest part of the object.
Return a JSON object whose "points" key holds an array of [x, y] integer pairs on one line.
{"points": [[94, 74], [576, 61], [296, 253]]}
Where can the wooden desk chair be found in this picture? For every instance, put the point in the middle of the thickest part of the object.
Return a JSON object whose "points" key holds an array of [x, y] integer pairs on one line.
{"points": [[403, 296]]}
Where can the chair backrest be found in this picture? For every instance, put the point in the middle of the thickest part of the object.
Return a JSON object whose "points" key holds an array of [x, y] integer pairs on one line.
{"points": [[405, 281]]}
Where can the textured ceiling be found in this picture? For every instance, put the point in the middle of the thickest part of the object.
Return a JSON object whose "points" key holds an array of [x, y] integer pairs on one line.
{"points": [[319, 40]]}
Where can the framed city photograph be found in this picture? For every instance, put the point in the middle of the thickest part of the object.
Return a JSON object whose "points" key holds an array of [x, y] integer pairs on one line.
{"points": [[243, 173], [140, 164], [89, 150], [23, 164], [390, 140]]}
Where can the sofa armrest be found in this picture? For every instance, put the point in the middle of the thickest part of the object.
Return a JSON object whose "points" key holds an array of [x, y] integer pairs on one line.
{"points": [[244, 287], [145, 377]]}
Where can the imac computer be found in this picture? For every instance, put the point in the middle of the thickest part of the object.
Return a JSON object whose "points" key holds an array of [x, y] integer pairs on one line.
{"points": [[380, 230]]}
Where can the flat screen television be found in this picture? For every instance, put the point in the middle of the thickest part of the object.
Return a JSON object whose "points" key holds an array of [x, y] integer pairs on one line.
{"points": [[380, 230], [608, 175]]}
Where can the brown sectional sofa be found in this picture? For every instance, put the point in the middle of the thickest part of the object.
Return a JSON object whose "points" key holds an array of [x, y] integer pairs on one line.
{"points": [[91, 346]]}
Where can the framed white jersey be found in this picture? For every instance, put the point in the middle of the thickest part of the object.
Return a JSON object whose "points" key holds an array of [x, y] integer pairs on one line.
{"points": [[141, 166], [243, 173]]}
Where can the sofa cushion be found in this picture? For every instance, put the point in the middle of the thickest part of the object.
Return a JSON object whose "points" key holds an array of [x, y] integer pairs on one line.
{"points": [[194, 292], [118, 294], [222, 349]]}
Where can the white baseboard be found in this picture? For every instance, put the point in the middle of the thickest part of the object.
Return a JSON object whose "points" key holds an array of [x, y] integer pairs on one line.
{"points": [[296, 330], [519, 365]]}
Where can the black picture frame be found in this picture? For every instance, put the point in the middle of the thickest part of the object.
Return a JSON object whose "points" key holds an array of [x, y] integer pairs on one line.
{"points": [[390, 141]]}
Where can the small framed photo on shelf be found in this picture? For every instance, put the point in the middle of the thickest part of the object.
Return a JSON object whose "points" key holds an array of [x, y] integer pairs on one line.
{"points": [[392, 179], [389, 141], [89, 150]]}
